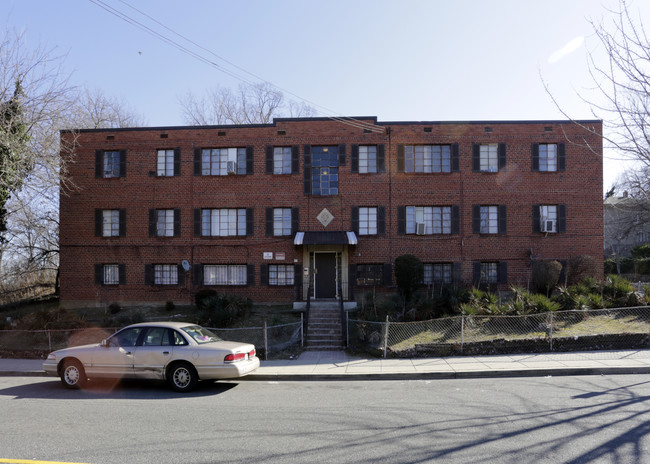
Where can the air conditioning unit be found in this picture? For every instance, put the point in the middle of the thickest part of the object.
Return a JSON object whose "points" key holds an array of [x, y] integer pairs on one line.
{"points": [[231, 167], [419, 228], [548, 225]]}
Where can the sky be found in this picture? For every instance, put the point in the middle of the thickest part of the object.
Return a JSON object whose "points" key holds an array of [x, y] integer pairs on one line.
{"points": [[398, 60]]}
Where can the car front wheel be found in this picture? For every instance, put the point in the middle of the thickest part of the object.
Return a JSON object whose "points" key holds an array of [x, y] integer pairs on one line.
{"points": [[73, 374], [182, 377]]}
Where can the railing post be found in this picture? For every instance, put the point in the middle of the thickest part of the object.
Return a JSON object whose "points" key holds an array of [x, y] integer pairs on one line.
{"points": [[302, 330], [49, 339], [386, 337]]}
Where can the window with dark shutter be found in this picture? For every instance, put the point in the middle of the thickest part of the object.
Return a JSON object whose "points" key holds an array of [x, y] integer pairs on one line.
{"points": [[295, 220], [249, 159], [177, 222], [401, 220], [249, 222], [269, 159], [381, 158], [269, 221], [307, 170], [295, 159], [354, 158], [177, 162], [354, 223]]}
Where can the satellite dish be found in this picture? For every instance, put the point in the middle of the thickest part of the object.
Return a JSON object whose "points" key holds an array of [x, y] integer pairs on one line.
{"points": [[186, 265]]}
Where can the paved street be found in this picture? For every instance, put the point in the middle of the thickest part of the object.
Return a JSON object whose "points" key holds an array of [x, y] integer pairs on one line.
{"points": [[582, 419]]}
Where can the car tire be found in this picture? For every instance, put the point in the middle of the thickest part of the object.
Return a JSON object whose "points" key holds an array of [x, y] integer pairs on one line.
{"points": [[73, 375], [182, 377]]}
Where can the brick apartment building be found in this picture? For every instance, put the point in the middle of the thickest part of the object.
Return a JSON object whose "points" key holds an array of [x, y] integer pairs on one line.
{"points": [[158, 214]]}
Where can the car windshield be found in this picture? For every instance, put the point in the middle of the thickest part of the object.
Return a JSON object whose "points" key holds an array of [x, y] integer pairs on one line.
{"points": [[200, 334]]}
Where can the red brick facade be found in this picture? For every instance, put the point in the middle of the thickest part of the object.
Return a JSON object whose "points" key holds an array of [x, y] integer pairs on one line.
{"points": [[514, 187]]}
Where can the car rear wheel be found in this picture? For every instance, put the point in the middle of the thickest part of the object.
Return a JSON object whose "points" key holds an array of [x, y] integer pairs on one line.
{"points": [[182, 377], [73, 375]]}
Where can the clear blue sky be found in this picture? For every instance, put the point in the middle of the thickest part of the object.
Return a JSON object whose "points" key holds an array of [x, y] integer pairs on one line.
{"points": [[399, 60]]}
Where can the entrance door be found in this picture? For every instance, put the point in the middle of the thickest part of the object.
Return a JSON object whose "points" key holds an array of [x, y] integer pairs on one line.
{"points": [[325, 277]]}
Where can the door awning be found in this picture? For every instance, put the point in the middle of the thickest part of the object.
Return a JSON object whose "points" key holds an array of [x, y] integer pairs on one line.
{"points": [[325, 238]]}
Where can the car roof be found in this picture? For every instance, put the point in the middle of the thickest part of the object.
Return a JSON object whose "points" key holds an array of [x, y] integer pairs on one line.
{"points": [[169, 324]]}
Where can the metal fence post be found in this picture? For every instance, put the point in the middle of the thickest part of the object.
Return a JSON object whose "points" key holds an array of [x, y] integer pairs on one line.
{"points": [[266, 343], [386, 337], [49, 339], [302, 330], [550, 332], [462, 333]]}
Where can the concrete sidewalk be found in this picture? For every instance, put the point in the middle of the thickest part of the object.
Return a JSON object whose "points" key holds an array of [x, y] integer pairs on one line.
{"points": [[338, 365]]}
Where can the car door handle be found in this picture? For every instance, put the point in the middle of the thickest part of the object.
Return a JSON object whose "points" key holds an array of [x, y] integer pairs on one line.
{"points": [[165, 353], [128, 352]]}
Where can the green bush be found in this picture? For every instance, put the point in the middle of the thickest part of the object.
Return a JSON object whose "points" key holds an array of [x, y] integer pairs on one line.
{"points": [[409, 273], [546, 275]]}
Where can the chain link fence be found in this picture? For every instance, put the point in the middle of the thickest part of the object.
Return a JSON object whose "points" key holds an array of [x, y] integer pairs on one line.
{"points": [[270, 341], [553, 331]]}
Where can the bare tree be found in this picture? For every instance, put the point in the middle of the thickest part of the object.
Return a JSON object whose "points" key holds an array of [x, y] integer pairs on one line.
{"points": [[250, 104], [623, 85], [48, 103], [620, 95], [93, 109]]}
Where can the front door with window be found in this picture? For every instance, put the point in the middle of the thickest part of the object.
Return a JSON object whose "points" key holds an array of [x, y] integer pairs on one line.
{"points": [[325, 275]]}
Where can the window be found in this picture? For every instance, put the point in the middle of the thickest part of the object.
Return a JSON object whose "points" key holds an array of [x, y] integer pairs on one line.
{"points": [[282, 221], [111, 164], [325, 171], [427, 158], [489, 157], [548, 218], [164, 222], [489, 273], [223, 222], [428, 220], [223, 161], [165, 274], [111, 274], [367, 221], [126, 337], [224, 274], [367, 159], [165, 163], [547, 157], [282, 160], [111, 223], [489, 220], [438, 273], [370, 274], [281, 274]]}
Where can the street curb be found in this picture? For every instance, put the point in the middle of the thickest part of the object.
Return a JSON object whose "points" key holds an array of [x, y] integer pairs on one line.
{"points": [[558, 372]]}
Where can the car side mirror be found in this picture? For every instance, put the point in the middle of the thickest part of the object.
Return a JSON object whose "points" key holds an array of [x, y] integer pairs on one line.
{"points": [[106, 343]]}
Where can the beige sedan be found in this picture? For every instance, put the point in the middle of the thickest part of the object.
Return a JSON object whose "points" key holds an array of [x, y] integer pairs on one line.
{"points": [[178, 352]]}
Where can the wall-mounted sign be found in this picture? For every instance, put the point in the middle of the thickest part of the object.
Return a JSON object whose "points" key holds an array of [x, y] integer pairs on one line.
{"points": [[268, 255], [280, 256]]}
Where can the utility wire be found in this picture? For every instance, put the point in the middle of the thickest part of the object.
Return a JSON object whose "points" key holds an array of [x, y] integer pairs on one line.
{"points": [[123, 16]]}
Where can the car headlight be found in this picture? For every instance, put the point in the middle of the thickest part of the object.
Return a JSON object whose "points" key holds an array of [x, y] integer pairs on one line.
{"points": [[51, 357]]}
